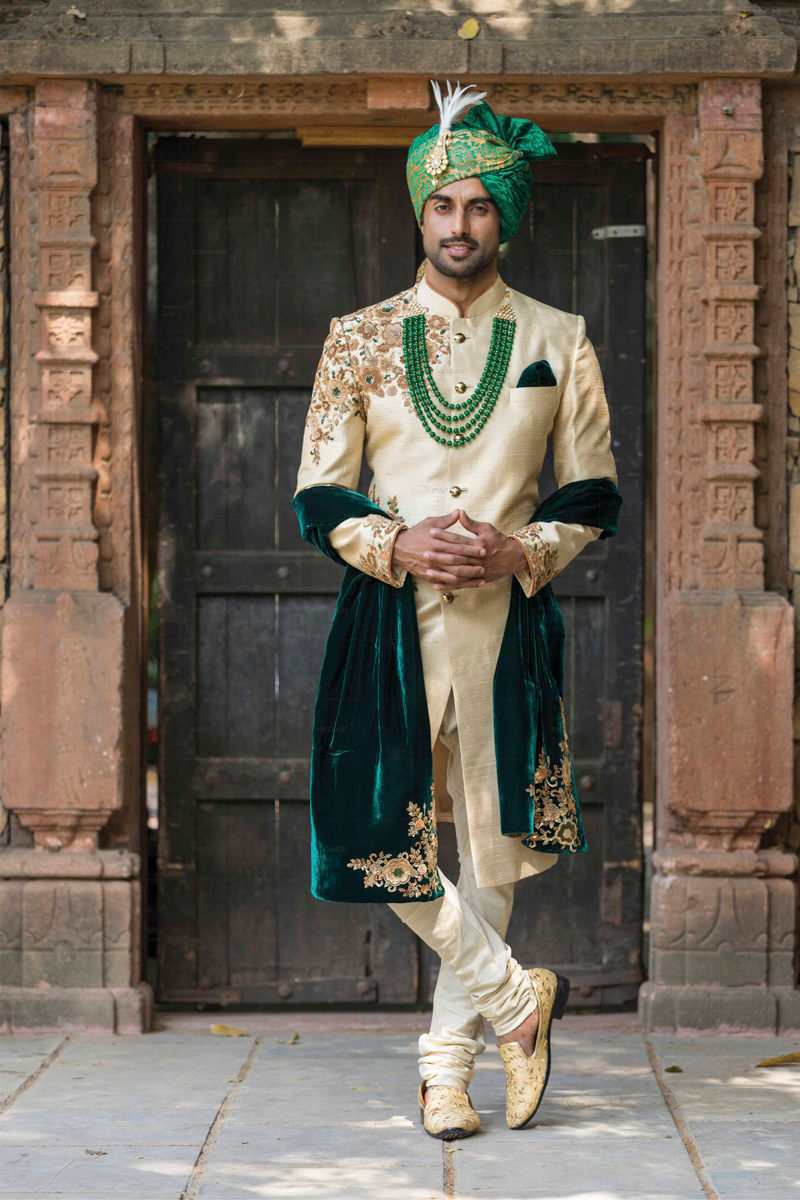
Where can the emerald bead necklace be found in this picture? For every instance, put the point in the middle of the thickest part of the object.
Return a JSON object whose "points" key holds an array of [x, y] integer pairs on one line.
{"points": [[449, 422]]}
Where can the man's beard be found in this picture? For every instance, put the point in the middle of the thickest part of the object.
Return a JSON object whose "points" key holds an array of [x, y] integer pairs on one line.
{"points": [[460, 268]]}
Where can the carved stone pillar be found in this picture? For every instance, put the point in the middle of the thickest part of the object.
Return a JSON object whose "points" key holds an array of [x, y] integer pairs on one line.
{"points": [[70, 940], [724, 904]]}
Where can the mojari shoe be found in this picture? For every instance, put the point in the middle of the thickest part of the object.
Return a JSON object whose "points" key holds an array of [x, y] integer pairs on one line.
{"points": [[446, 1112], [527, 1076]]}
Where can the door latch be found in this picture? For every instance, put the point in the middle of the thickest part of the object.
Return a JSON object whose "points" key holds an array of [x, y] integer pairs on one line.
{"points": [[618, 231]]}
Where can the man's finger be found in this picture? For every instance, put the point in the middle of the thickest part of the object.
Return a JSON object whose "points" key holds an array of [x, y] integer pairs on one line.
{"points": [[453, 582], [465, 545], [449, 519], [453, 572], [467, 521]]}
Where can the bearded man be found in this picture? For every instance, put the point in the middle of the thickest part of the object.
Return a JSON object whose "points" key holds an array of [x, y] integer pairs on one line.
{"points": [[440, 695]]}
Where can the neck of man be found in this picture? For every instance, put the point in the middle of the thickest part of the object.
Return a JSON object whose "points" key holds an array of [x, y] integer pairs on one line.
{"points": [[461, 291]]}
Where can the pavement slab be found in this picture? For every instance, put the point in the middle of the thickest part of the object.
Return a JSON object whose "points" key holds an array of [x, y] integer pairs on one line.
{"points": [[181, 1114]]}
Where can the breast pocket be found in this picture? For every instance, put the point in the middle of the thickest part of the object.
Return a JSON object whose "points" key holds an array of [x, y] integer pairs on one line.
{"points": [[537, 405]]}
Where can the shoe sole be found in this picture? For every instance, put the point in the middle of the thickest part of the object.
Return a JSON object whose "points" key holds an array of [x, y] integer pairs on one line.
{"points": [[447, 1135], [559, 1005]]}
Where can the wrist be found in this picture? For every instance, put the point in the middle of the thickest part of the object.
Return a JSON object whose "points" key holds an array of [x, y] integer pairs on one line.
{"points": [[397, 549], [518, 558]]}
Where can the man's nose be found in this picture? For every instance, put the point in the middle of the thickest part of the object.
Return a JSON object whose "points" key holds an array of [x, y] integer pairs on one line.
{"points": [[460, 223]]}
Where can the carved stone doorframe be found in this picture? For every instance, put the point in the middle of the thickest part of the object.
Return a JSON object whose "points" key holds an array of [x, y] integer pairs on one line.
{"points": [[724, 901]]}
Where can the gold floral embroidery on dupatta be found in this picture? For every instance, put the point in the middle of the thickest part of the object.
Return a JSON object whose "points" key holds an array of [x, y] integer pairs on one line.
{"points": [[412, 872], [555, 821], [541, 554], [376, 558]]}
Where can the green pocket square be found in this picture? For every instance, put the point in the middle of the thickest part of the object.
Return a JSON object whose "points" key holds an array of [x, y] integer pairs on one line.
{"points": [[538, 374]]}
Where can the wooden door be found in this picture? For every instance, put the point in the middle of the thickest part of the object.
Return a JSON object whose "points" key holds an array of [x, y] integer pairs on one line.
{"points": [[260, 243], [583, 248]]}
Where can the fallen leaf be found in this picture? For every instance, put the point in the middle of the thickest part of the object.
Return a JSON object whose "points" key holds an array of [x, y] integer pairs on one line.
{"points": [[782, 1060], [288, 1041], [358, 1089], [97, 1152], [227, 1031], [469, 29], [673, 1070]]}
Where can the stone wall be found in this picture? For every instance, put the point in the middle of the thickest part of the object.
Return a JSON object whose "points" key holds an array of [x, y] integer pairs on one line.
{"points": [[4, 815], [793, 439]]}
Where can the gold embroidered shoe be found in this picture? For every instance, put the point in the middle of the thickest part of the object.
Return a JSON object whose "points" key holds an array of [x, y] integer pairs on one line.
{"points": [[527, 1075], [446, 1112]]}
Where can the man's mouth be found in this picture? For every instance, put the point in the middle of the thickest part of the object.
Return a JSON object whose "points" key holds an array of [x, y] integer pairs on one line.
{"points": [[459, 250]]}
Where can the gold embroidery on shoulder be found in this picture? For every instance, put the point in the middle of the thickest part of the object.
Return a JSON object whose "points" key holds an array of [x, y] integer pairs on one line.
{"points": [[555, 821], [412, 872], [332, 398]]}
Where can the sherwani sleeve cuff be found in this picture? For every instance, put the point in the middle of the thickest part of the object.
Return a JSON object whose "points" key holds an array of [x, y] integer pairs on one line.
{"points": [[367, 543], [548, 547]]}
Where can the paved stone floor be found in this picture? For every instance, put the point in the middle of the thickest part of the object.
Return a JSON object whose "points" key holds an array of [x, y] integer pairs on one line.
{"points": [[182, 1114]]}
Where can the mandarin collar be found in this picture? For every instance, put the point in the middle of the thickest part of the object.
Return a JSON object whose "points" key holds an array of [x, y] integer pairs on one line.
{"points": [[428, 298]]}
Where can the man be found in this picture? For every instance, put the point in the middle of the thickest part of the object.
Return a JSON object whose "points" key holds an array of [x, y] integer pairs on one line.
{"points": [[423, 384]]}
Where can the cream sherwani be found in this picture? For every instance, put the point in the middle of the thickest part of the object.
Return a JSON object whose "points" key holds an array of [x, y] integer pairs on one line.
{"points": [[360, 404]]}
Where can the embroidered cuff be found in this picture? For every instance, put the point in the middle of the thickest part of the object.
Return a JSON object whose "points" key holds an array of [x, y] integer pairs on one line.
{"points": [[541, 555], [376, 556]]}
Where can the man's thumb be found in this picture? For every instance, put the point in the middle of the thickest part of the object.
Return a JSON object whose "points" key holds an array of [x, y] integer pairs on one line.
{"points": [[447, 519]]}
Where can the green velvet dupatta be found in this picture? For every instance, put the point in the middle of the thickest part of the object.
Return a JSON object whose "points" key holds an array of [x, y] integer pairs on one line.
{"points": [[371, 792]]}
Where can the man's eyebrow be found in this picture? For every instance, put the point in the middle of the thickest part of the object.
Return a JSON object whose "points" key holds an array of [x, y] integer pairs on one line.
{"points": [[472, 199]]}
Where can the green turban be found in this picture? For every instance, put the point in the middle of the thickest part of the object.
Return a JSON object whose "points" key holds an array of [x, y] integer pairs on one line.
{"points": [[496, 149]]}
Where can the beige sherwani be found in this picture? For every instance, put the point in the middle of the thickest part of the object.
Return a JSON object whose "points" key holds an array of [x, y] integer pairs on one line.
{"points": [[360, 404]]}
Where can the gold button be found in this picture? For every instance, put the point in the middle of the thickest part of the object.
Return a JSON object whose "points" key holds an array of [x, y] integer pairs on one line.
{"points": [[455, 490], [448, 596], [459, 337], [461, 387]]}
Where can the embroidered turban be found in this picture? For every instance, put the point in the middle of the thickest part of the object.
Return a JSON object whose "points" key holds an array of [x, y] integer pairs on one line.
{"points": [[482, 143]]}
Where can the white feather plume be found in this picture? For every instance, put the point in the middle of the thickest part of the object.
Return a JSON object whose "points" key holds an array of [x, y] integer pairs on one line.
{"points": [[454, 103]]}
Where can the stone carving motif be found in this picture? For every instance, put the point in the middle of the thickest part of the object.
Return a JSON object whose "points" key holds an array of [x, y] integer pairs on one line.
{"points": [[311, 98], [681, 346], [731, 161], [65, 539]]}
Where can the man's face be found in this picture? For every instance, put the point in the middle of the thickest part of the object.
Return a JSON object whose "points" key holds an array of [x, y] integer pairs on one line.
{"points": [[460, 228]]}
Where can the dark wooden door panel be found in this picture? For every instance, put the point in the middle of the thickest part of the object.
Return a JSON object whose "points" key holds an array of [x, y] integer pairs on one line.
{"points": [[601, 593], [259, 247], [260, 244]]}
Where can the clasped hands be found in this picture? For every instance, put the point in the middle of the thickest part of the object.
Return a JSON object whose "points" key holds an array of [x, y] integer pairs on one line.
{"points": [[451, 561]]}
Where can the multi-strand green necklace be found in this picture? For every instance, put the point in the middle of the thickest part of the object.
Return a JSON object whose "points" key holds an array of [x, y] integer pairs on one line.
{"points": [[456, 424]]}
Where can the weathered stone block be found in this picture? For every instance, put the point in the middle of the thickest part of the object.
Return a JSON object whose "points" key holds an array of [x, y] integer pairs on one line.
{"points": [[76, 1010], [62, 687], [68, 930], [723, 943], [385, 94], [729, 661]]}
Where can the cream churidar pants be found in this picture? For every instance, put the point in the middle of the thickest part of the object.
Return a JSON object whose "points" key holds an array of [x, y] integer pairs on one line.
{"points": [[478, 976]]}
